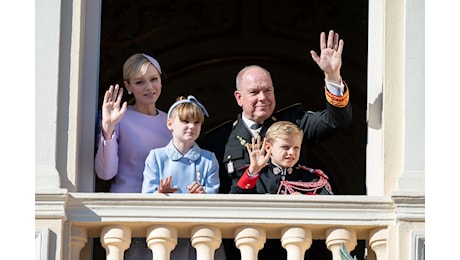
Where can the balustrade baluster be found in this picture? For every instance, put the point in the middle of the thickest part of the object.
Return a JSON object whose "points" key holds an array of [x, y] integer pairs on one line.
{"points": [[78, 240], [115, 239], [378, 242], [206, 240], [336, 236], [296, 240], [161, 240]]}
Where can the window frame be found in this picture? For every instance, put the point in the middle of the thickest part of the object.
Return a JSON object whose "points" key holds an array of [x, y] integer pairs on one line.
{"points": [[90, 84]]}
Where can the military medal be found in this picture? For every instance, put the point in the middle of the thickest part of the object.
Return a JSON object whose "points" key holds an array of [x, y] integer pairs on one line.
{"points": [[230, 168], [242, 141]]}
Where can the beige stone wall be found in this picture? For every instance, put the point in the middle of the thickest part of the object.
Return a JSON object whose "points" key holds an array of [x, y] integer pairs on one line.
{"points": [[59, 161]]}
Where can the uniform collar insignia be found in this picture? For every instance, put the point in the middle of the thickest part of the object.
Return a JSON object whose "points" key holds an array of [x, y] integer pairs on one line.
{"points": [[277, 170]]}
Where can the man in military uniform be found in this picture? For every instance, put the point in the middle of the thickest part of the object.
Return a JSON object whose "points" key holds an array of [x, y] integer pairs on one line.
{"points": [[255, 95]]}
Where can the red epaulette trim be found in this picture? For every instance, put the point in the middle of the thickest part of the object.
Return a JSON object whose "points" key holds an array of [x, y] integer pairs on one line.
{"points": [[318, 172]]}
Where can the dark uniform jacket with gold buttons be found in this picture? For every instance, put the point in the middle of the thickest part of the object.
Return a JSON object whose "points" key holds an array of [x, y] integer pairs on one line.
{"points": [[228, 141], [275, 180]]}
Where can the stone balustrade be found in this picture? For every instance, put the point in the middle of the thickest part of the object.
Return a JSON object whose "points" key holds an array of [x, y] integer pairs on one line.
{"points": [[207, 219], [161, 239]]}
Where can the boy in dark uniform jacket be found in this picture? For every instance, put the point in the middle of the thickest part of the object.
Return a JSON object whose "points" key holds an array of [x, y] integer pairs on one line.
{"points": [[273, 165], [274, 169]]}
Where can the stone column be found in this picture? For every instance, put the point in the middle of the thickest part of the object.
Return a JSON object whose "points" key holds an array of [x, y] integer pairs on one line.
{"points": [[115, 239], [161, 240], [336, 236], [48, 114], [296, 240], [78, 240], [249, 240], [206, 240], [378, 242]]}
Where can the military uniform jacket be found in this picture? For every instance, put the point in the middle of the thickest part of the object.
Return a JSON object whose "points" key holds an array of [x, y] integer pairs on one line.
{"points": [[315, 182], [228, 141], [317, 126]]}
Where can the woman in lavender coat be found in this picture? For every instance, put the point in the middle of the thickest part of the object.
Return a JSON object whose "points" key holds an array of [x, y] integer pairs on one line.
{"points": [[128, 132]]}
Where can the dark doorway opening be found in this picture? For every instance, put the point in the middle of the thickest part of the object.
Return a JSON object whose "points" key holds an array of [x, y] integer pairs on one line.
{"points": [[202, 44]]}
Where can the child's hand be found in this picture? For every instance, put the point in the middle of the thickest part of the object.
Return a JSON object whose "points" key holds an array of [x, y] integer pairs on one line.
{"points": [[258, 157], [165, 187], [195, 187]]}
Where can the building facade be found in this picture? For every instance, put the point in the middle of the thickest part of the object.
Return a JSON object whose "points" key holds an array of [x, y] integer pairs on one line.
{"points": [[69, 215]]}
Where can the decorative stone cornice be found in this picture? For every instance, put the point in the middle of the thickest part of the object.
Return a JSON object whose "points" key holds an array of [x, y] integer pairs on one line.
{"points": [[410, 206], [51, 204]]}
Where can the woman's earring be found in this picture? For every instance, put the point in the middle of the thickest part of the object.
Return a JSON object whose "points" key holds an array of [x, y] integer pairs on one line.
{"points": [[129, 92]]}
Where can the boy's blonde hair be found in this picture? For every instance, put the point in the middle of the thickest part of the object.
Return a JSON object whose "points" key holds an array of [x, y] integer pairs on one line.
{"points": [[282, 129]]}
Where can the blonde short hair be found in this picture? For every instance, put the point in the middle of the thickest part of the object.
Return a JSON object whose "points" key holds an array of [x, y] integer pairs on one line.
{"points": [[282, 129]]}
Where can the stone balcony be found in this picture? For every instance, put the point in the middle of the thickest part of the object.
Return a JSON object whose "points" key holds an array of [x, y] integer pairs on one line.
{"points": [[207, 219]]}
